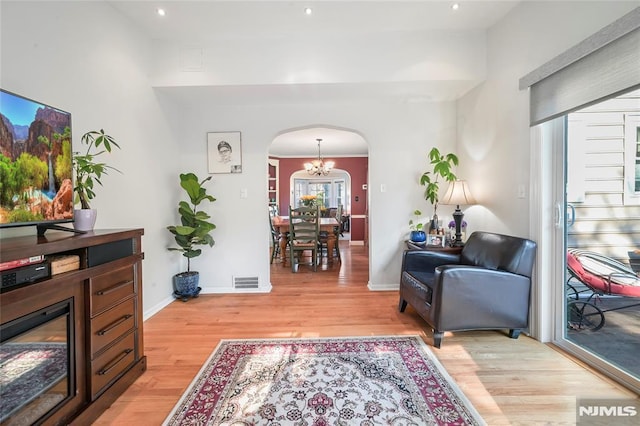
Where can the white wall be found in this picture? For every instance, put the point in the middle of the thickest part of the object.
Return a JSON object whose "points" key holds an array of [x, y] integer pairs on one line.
{"points": [[455, 57], [493, 119], [399, 136], [83, 58], [493, 126]]}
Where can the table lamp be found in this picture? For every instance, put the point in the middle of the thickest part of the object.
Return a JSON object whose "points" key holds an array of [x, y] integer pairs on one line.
{"points": [[458, 193]]}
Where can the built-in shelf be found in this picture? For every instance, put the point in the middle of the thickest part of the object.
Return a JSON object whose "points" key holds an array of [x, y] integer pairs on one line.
{"points": [[273, 189]]}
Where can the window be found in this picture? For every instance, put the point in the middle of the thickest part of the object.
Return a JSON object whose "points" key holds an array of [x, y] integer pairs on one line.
{"points": [[632, 159], [331, 192]]}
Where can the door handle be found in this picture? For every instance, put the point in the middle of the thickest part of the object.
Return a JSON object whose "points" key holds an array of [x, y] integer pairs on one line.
{"points": [[571, 218]]}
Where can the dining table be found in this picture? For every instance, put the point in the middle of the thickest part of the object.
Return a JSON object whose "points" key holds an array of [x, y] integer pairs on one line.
{"points": [[329, 224]]}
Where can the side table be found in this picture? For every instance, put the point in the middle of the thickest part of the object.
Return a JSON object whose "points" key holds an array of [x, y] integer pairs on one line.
{"points": [[445, 249]]}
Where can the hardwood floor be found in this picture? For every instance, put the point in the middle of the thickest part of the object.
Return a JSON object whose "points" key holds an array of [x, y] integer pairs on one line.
{"points": [[510, 382]]}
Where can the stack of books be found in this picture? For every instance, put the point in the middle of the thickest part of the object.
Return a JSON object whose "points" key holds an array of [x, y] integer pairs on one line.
{"points": [[58, 263], [12, 264]]}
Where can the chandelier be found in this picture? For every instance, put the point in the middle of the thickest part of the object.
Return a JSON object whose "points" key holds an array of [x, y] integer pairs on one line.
{"points": [[319, 167]]}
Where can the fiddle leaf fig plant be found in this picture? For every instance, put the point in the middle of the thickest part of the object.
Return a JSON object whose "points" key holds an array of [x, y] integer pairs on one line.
{"points": [[87, 169], [442, 168], [195, 227]]}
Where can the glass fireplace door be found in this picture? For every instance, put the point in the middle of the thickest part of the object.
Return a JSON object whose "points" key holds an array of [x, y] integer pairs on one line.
{"points": [[36, 374]]}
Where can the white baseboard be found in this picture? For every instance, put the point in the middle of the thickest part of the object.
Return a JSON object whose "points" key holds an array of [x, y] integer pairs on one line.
{"points": [[383, 287], [205, 290], [356, 243], [231, 290], [157, 308]]}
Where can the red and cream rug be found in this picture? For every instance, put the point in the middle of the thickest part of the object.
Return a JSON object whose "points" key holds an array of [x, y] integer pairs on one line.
{"points": [[330, 381]]}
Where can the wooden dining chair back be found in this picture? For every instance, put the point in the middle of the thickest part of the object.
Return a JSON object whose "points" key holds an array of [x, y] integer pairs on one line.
{"points": [[304, 227], [275, 237], [340, 218], [324, 235]]}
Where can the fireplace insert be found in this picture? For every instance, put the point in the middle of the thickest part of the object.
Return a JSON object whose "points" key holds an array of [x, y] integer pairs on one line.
{"points": [[37, 363]]}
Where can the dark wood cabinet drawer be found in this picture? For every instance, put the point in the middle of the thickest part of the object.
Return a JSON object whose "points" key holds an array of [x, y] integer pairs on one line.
{"points": [[110, 288], [110, 325], [113, 362]]}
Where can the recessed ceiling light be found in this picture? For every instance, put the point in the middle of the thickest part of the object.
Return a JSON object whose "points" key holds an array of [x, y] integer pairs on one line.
{"points": [[455, 6], [161, 11], [308, 11]]}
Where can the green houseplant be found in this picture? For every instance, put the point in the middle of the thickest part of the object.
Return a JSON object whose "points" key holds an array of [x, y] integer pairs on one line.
{"points": [[417, 234], [89, 171], [442, 167], [194, 230]]}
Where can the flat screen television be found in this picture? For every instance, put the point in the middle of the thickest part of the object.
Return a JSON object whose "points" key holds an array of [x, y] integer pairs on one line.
{"points": [[36, 174]]}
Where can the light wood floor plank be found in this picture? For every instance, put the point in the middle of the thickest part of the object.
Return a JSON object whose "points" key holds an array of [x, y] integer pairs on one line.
{"points": [[510, 382]]}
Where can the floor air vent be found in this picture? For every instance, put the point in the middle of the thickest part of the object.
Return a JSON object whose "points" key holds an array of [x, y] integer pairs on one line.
{"points": [[245, 282]]}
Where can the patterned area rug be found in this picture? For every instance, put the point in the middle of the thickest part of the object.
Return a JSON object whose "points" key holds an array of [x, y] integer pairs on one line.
{"points": [[316, 382], [27, 370]]}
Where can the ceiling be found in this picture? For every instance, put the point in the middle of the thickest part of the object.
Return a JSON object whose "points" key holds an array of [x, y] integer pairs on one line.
{"points": [[206, 20], [211, 19]]}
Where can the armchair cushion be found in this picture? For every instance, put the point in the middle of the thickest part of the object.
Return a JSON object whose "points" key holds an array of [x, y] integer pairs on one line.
{"points": [[487, 286]]}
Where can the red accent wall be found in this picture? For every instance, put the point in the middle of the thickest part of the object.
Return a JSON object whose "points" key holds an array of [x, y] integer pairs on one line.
{"points": [[357, 168]]}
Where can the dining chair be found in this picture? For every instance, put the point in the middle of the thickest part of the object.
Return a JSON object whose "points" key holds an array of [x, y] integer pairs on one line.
{"points": [[339, 216], [337, 231], [275, 238], [276, 234], [304, 227]]}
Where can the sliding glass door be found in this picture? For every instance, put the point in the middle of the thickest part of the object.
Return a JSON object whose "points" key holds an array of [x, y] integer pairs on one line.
{"points": [[597, 227]]}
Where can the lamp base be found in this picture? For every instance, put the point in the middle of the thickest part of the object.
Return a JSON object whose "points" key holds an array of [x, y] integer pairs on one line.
{"points": [[457, 218]]}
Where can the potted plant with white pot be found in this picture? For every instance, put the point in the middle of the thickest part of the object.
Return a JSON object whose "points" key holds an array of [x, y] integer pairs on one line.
{"points": [[89, 172], [194, 230], [442, 168]]}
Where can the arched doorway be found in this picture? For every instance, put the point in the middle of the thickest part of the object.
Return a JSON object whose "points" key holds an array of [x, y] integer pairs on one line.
{"points": [[345, 184]]}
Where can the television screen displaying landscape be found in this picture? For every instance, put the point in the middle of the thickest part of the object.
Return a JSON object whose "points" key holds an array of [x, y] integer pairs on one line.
{"points": [[36, 183]]}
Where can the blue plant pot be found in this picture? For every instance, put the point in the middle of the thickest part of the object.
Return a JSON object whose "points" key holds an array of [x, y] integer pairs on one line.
{"points": [[186, 283], [418, 236]]}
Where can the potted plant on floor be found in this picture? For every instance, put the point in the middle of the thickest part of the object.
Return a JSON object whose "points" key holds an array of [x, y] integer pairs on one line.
{"points": [[194, 230], [442, 168], [88, 173]]}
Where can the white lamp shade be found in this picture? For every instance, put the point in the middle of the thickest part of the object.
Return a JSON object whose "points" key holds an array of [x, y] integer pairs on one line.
{"points": [[458, 194]]}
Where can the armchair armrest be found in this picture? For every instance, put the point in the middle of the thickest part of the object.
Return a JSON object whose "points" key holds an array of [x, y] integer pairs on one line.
{"points": [[427, 261]]}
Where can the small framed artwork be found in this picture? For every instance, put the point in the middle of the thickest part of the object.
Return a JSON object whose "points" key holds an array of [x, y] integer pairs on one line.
{"points": [[435, 240], [224, 152]]}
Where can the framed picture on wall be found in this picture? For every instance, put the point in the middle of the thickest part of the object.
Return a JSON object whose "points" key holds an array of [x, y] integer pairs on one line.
{"points": [[224, 152]]}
